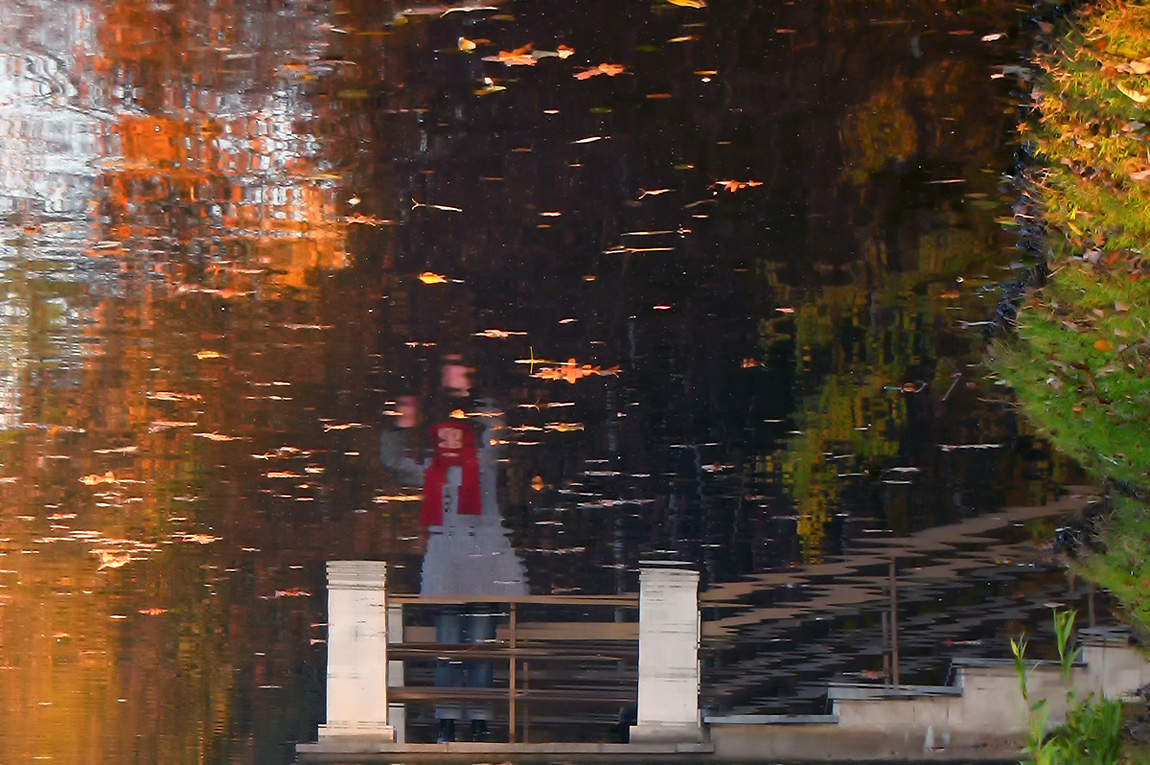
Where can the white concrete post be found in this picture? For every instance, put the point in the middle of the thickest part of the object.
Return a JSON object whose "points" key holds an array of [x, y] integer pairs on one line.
{"points": [[356, 651], [668, 655]]}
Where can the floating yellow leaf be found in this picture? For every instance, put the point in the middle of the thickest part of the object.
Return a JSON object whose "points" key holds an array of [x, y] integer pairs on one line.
{"points": [[201, 355], [733, 186], [112, 558], [96, 479], [217, 436], [608, 69], [429, 277], [466, 45], [571, 371], [489, 86], [688, 3], [518, 57]]}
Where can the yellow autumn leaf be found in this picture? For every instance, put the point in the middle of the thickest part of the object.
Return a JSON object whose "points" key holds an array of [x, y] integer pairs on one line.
{"points": [[430, 277], [1102, 346], [688, 3], [96, 479], [1137, 97], [201, 355]]}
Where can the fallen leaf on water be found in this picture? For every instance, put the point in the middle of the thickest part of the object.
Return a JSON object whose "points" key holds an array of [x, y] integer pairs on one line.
{"points": [[445, 208], [120, 450], [497, 333], [518, 57], [957, 447], [428, 277], [652, 192], [489, 86], [163, 395], [112, 558], [201, 355], [608, 69], [688, 3], [294, 592], [153, 611], [733, 186], [200, 539], [571, 371], [368, 220], [158, 425], [590, 139], [563, 51], [683, 38], [217, 436], [466, 45], [95, 479]]}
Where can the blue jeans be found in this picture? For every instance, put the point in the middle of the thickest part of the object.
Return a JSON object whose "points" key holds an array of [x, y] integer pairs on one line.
{"points": [[453, 626]]}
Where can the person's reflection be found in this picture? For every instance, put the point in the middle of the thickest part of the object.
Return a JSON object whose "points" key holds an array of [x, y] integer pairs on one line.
{"points": [[469, 554]]}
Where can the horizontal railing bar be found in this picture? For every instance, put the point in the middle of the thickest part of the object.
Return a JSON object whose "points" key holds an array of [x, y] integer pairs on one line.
{"points": [[620, 601], [497, 651], [433, 693]]}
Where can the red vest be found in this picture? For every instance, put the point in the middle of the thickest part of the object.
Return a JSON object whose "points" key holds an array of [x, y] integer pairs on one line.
{"points": [[454, 445]]}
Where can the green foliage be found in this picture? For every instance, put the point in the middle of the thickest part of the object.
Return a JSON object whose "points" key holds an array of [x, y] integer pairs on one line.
{"points": [[1080, 363], [1123, 565], [1090, 735]]}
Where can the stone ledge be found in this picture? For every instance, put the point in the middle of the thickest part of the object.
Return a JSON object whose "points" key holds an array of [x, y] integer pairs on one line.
{"points": [[331, 750], [772, 720]]}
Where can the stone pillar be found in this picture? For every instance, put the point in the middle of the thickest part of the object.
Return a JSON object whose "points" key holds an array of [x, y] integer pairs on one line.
{"points": [[356, 652], [668, 655]]}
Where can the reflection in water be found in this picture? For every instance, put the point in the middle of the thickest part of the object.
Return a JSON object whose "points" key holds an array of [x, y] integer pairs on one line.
{"points": [[235, 236], [469, 553]]}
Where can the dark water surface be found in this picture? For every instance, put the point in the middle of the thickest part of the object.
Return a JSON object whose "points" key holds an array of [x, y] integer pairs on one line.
{"points": [[714, 293]]}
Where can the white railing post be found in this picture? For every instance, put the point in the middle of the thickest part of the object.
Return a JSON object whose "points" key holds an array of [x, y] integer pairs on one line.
{"points": [[356, 652], [668, 655], [397, 713]]}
